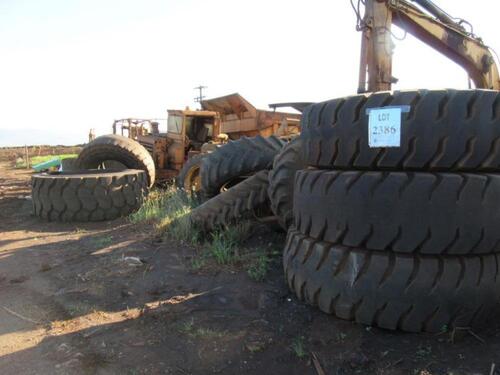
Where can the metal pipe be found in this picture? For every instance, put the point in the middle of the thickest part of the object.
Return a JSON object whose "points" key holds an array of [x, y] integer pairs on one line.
{"points": [[435, 11]]}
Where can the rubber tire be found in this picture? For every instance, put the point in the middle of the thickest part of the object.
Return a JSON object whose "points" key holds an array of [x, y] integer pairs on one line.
{"points": [[449, 130], [117, 148], [240, 201], [68, 164], [242, 157], [193, 162], [82, 196], [412, 293], [405, 212], [282, 181]]}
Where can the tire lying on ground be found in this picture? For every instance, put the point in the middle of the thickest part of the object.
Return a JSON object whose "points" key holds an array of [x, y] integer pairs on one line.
{"points": [[239, 202], [454, 130], [93, 195], [242, 157], [117, 148], [394, 291], [189, 177], [282, 181], [407, 212]]}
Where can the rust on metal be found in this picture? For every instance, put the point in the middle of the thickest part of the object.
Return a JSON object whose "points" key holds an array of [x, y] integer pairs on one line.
{"points": [[240, 118], [190, 132]]}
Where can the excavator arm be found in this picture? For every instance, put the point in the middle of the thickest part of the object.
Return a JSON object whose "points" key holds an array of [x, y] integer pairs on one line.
{"points": [[430, 25]]}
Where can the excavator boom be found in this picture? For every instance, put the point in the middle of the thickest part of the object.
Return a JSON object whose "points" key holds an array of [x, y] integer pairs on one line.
{"points": [[432, 26]]}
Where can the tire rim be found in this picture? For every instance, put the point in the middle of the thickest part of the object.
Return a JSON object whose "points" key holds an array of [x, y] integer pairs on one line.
{"points": [[192, 181]]}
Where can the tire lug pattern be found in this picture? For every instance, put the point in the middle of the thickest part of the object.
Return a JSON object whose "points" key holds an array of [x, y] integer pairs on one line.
{"points": [[345, 281], [89, 196], [239, 202], [242, 157], [403, 212], [454, 130], [117, 148], [282, 181]]}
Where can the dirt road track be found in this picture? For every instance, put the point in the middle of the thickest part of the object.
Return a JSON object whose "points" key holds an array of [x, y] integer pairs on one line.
{"points": [[71, 303]]}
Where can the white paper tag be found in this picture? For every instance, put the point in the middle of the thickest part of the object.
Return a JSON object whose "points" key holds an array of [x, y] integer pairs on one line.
{"points": [[384, 127]]}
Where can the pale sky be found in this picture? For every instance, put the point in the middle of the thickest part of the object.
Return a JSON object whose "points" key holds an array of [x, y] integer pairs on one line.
{"points": [[67, 66]]}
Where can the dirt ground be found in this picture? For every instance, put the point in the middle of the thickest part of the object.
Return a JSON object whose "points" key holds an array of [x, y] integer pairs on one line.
{"points": [[72, 303]]}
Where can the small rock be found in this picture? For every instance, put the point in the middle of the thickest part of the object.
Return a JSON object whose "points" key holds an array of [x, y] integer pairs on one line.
{"points": [[255, 346], [267, 300], [222, 300], [45, 267], [358, 360], [70, 363], [138, 343], [133, 261], [127, 293], [19, 280], [64, 348]]}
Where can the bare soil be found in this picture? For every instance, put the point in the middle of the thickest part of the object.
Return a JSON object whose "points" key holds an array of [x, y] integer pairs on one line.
{"points": [[72, 303]]}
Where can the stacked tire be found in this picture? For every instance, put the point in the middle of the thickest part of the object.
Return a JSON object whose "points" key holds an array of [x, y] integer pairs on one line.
{"points": [[109, 179], [402, 237]]}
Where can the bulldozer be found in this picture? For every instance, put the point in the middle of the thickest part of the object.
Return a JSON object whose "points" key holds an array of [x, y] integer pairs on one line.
{"points": [[191, 134]]}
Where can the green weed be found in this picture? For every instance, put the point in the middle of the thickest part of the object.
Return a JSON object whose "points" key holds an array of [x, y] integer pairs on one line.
{"points": [[423, 352], [259, 267], [222, 248], [224, 244], [190, 329], [169, 211], [102, 242], [79, 308], [198, 262], [187, 327], [298, 347]]}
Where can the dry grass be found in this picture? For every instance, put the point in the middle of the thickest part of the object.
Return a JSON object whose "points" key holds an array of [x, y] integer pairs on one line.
{"points": [[225, 243], [168, 210]]}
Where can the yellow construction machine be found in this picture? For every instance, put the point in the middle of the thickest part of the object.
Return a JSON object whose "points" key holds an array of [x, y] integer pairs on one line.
{"points": [[427, 22], [194, 133]]}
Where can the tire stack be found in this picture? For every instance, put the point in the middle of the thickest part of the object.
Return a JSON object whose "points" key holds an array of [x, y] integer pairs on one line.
{"points": [[406, 237], [87, 192]]}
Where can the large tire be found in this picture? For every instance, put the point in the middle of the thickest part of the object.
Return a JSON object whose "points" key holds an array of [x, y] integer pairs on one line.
{"points": [[189, 177], [95, 195], [282, 181], [240, 201], [117, 148], [68, 164], [242, 157], [452, 130], [407, 212], [394, 291]]}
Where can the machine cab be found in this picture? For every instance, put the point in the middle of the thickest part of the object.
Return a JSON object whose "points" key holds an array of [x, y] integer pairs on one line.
{"points": [[189, 130]]}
